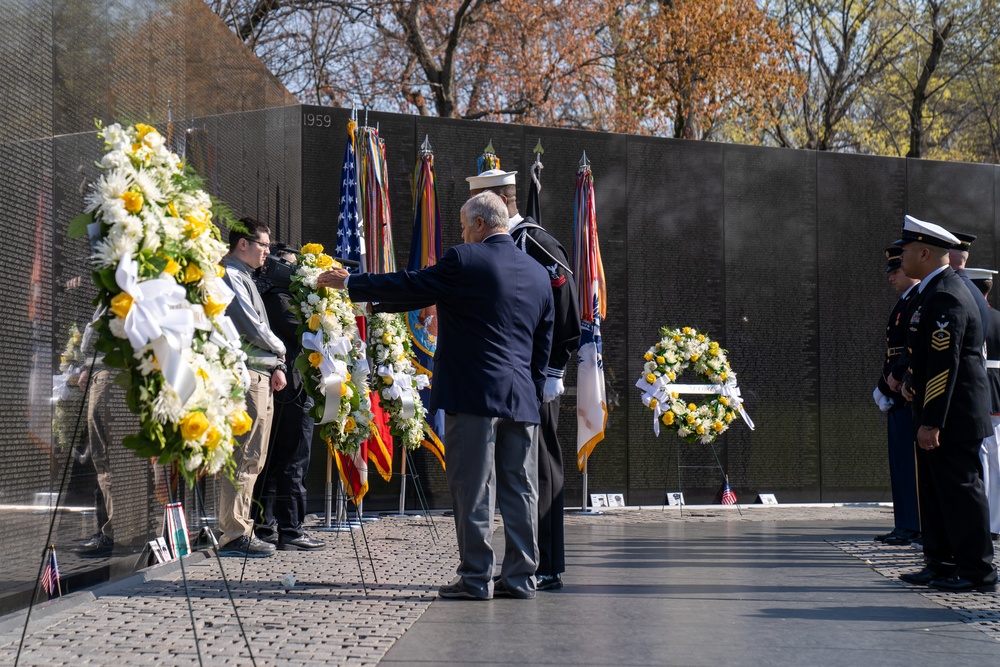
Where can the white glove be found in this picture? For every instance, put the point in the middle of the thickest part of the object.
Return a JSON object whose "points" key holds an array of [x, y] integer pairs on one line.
{"points": [[883, 402], [553, 389]]}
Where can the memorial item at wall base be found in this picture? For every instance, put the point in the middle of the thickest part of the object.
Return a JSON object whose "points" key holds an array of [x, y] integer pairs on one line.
{"points": [[175, 529], [591, 399], [332, 362], [666, 361], [156, 255]]}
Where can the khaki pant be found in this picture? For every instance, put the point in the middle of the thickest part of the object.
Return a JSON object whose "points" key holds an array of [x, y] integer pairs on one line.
{"points": [[99, 422], [234, 501]]}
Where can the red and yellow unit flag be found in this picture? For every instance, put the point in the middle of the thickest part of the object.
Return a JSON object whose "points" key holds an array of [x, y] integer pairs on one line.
{"points": [[591, 403], [425, 250]]}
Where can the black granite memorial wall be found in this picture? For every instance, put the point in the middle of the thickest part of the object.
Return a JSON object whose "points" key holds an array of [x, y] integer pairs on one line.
{"points": [[775, 253]]}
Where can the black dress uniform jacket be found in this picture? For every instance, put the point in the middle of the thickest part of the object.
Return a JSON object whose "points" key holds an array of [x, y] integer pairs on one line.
{"points": [[895, 347], [947, 373], [530, 237]]}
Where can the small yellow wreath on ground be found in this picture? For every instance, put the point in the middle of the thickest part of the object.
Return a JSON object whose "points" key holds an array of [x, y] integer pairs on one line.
{"points": [[666, 361]]}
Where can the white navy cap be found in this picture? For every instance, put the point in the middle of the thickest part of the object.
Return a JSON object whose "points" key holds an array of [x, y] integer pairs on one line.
{"points": [[492, 178], [926, 232], [980, 274]]}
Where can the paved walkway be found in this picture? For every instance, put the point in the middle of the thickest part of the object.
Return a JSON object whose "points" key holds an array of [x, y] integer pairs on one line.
{"points": [[779, 585]]}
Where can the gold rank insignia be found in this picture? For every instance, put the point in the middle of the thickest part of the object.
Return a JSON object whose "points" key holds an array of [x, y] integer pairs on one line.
{"points": [[936, 386], [941, 339]]}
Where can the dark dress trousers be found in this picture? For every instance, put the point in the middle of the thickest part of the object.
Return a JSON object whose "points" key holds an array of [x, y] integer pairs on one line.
{"points": [[494, 305], [948, 381], [902, 458], [541, 246], [281, 489]]}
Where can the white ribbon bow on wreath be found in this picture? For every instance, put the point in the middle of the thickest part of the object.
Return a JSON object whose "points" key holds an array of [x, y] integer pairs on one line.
{"points": [[333, 370], [155, 318]]}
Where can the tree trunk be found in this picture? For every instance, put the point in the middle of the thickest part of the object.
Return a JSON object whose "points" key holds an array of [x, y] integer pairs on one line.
{"points": [[920, 95]]}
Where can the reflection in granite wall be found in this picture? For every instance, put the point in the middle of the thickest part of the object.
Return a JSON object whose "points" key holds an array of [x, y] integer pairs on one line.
{"points": [[67, 64]]}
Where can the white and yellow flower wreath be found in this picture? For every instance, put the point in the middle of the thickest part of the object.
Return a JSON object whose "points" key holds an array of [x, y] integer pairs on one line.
{"points": [[666, 361]]}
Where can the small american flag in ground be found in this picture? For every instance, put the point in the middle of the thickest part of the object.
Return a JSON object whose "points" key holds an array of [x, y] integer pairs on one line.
{"points": [[50, 575], [728, 495]]}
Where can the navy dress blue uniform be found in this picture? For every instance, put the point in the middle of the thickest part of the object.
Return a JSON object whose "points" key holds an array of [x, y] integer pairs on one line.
{"points": [[947, 378], [494, 305], [902, 458], [545, 249]]}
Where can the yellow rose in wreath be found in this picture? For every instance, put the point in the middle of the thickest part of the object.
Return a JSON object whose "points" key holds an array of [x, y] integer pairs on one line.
{"points": [[120, 304], [312, 249], [240, 422], [193, 425]]}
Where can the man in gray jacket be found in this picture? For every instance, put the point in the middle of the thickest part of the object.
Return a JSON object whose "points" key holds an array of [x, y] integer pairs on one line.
{"points": [[266, 364]]}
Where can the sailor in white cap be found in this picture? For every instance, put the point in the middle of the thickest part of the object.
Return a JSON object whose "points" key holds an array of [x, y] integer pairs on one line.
{"points": [[989, 453], [533, 239], [949, 394]]}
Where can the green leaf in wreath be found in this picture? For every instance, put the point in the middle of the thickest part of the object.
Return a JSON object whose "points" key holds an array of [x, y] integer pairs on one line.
{"points": [[115, 358], [142, 445], [78, 226], [107, 280]]}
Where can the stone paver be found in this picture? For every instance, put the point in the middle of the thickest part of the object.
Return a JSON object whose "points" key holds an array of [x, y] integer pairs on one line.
{"points": [[328, 618]]}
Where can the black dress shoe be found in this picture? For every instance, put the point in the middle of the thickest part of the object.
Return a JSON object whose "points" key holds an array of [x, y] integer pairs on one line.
{"points": [[883, 538], [303, 543], [99, 546], [501, 590], [548, 582], [457, 591], [959, 584], [267, 536], [925, 576], [902, 538]]}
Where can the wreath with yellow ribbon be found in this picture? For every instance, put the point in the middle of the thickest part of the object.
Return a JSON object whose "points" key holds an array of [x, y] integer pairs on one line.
{"points": [[665, 362]]}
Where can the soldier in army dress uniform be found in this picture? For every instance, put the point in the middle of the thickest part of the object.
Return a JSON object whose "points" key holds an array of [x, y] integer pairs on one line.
{"points": [[950, 401], [902, 465]]}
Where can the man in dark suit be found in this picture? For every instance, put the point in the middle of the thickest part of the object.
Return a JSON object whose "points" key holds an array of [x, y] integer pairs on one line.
{"points": [[950, 401], [902, 467], [494, 307], [532, 238]]}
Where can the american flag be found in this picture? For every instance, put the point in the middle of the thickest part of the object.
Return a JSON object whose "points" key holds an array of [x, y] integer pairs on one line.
{"points": [[50, 575], [349, 243], [728, 495]]}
